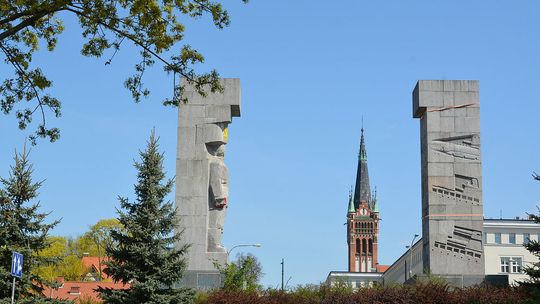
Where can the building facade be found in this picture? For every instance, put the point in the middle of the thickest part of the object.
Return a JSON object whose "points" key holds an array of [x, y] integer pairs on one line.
{"points": [[503, 247], [504, 253]]}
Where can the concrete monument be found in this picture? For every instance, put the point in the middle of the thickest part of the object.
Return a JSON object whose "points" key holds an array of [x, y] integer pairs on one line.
{"points": [[201, 179], [452, 211]]}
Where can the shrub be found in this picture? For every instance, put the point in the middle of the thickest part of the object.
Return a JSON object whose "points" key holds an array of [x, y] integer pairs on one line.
{"points": [[420, 293]]}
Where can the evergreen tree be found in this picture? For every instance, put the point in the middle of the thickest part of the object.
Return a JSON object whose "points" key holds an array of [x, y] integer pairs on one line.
{"points": [[22, 229], [532, 284], [143, 254], [534, 247]]}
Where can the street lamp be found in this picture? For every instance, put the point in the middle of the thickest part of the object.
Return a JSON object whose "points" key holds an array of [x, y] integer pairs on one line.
{"points": [[243, 245], [410, 255]]}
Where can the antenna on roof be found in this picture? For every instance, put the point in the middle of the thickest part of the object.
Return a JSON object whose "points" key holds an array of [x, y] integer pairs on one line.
{"points": [[501, 214]]}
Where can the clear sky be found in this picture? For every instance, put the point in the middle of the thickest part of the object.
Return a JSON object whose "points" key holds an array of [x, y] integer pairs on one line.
{"points": [[310, 70]]}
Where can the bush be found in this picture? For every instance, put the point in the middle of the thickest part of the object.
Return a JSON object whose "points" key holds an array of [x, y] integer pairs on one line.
{"points": [[420, 293]]}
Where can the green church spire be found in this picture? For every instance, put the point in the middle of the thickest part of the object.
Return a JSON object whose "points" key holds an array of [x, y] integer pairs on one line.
{"points": [[362, 191], [375, 205], [351, 202]]}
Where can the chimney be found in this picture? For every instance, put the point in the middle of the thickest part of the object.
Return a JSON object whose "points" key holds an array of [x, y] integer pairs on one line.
{"points": [[61, 280]]}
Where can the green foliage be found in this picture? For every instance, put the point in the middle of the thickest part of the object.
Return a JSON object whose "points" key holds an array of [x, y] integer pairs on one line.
{"points": [[201, 297], [62, 262], [143, 254], [36, 300], [98, 238], [64, 255], [153, 26], [243, 274], [87, 300], [22, 229]]}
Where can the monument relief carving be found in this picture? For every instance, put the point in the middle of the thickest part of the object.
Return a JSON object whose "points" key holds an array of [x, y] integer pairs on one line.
{"points": [[452, 211], [463, 241], [464, 147]]}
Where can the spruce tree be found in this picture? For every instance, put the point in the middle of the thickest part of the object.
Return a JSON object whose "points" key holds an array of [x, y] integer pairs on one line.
{"points": [[143, 254], [22, 229], [533, 270]]}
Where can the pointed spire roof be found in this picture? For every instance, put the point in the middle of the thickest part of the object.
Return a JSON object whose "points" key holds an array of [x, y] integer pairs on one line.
{"points": [[362, 190], [351, 203]]}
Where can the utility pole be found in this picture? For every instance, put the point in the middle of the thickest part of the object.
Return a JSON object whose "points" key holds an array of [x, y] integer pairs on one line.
{"points": [[282, 273]]}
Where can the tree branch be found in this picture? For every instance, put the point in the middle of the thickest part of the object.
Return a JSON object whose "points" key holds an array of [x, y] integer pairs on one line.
{"points": [[21, 70], [15, 17], [27, 22], [122, 33]]}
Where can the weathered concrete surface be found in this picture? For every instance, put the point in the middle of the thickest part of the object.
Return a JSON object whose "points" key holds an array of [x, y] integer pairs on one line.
{"points": [[452, 210], [201, 178]]}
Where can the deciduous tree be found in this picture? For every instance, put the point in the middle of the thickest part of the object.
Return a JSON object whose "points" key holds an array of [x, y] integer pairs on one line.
{"points": [[153, 26], [243, 274], [97, 239], [62, 261]]}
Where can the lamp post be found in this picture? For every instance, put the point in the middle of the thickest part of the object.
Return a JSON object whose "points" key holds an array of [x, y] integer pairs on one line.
{"points": [[410, 256], [243, 245]]}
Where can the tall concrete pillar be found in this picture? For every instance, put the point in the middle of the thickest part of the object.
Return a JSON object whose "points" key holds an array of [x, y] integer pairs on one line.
{"points": [[202, 181], [452, 211]]}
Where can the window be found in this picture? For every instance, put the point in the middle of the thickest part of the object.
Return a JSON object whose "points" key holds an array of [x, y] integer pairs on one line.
{"points": [[511, 264], [485, 237], [505, 265], [512, 238], [497, 238], [516, 264], [526, 238]]}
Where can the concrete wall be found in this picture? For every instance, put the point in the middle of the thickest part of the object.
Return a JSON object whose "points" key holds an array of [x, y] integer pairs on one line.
{"points": [[400, 271]]}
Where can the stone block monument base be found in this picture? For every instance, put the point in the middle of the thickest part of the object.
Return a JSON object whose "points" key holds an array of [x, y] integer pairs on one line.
{"points": [[202, 280]]}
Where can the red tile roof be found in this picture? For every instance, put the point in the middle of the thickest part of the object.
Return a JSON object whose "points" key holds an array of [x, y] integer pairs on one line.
{"points": [[93, 262], [81, 290], [383, 268]]}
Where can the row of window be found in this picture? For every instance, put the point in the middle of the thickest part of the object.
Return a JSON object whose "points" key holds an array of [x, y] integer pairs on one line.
{"points": [[511, 264], [511, 238]]}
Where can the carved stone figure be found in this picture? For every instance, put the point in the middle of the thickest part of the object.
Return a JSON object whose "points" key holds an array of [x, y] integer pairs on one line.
{"points": [[202, 185], [217, 197]]}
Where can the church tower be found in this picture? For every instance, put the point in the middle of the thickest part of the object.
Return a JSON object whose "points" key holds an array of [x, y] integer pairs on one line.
{"points": [[363, 220]]}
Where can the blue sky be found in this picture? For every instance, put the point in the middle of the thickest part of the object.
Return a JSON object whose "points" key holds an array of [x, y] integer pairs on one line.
{"points": [[310, 70]]}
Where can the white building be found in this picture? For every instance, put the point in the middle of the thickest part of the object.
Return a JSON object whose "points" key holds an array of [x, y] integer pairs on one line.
{"points": [[504, 254], [503, 246]]}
